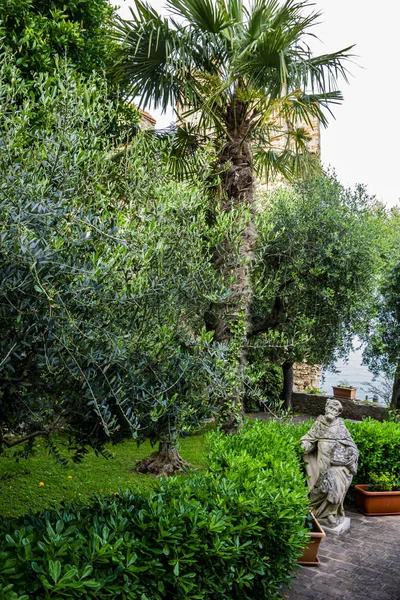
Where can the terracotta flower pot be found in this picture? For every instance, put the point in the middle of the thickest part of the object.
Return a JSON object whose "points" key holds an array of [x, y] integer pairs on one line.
{"points": [[311, 550], [377, 503], [344, 392]]}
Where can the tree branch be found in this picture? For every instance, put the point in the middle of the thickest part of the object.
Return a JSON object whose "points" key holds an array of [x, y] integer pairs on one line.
{"points": [[29, 436], [261, 325]]}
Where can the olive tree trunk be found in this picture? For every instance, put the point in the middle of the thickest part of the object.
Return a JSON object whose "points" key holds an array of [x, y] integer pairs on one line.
{"points": [[164, 462], [287, 370], [395, 402]]}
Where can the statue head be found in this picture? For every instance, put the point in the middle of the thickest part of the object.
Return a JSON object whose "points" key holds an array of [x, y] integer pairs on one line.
{"points": [[333, 409]]}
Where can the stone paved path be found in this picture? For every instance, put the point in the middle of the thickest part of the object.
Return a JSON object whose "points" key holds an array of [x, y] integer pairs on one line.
{"points": [[361, 564]]}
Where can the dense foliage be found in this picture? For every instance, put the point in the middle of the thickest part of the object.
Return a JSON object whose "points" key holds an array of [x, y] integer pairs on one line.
{"points": [[234, 532], [37, 34], [245, 84], [382, 352], [379, 447], [104, 277], [319, 256], [37, 31], [263, 381]]}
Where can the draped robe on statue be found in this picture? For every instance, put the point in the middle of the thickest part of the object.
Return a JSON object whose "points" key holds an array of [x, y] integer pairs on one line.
{"points": [[331, 461]]}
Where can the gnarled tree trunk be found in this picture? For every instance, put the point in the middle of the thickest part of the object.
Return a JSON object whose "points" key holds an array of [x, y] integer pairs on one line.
{"points": [[163, 463]]}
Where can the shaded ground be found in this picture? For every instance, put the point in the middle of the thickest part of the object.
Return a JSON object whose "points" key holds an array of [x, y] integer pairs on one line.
{"points": [[361, 564]]}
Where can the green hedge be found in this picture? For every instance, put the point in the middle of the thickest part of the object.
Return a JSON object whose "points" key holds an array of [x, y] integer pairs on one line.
{"points": [[379, 447], [233, 532]]}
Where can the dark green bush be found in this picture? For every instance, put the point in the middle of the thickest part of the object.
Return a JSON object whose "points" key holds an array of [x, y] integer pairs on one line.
{"points": [[379, 447], [263, 383], [233, 532]]}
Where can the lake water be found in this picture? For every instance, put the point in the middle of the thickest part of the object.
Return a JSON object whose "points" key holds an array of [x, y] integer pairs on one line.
{"points": [[354, 373]]}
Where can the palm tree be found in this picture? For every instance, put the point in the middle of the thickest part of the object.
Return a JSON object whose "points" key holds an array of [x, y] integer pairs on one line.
{"points": [[245, 80]]}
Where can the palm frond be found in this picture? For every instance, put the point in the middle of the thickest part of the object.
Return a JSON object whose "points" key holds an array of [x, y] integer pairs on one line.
{"points": [[227, 60], [235, 10], [147, 44], [185, 158], [205, 15], [298, 107], [320, 73], [158, 58], [213, 95], [284, 152], [268, 45]]}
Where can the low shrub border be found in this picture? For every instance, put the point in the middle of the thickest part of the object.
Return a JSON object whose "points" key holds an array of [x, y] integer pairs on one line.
{"points": [[234, 532]]}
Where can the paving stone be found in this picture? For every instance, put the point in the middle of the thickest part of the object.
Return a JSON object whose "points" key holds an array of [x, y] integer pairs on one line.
{"points": [[362, 564]]}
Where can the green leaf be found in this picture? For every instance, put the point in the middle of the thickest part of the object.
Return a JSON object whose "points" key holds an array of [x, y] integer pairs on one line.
{"points": [[55, 570]]}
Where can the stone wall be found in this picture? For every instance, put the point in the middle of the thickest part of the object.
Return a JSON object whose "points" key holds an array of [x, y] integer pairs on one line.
{"points": [[314, 405], [147, 121], [306, 376]]}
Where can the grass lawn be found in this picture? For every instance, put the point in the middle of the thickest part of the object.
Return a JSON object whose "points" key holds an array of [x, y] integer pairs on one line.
{"points": [[19, 481]]}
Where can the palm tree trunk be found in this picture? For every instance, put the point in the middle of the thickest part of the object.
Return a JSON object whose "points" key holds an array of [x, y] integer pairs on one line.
{"points": [[395, 402], [230, 320]]}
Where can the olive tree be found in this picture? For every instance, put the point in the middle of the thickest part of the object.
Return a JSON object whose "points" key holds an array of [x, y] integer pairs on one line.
{"points": [[319, 260], [382, 351], [103, 277], [37, 31]]}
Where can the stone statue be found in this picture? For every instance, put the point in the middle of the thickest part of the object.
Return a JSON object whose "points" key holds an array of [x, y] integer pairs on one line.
{"points": [[331, 461]]}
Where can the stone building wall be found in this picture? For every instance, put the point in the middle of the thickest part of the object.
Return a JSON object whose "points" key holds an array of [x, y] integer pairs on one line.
{"points": [[306, 376], [147, 121]]}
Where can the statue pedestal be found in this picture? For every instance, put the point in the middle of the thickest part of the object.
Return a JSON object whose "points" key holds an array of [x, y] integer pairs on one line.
{"points": [[341, 528]]}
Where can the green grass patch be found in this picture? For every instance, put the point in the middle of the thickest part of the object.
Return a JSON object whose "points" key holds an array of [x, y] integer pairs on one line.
{"points": [[19, 481]]}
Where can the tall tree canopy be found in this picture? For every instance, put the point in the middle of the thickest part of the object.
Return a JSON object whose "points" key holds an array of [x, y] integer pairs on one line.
{"points": [[37, 34], [320, 255], [245, 80], [382, 351]]}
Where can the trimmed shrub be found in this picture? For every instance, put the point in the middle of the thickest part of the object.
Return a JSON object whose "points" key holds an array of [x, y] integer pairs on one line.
{"points": [[233, 532], [379, 447]]}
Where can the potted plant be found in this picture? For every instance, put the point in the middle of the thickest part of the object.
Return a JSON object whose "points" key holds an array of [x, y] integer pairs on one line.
{"points": [[344, 390], [381, 497], [316, 534]]}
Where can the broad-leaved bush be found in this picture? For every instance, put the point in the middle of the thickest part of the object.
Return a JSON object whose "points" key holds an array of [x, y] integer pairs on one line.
{"points": [[233, 532]]}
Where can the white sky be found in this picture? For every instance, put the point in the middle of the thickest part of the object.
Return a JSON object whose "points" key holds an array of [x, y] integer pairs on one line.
{"points": [[361, 144]]}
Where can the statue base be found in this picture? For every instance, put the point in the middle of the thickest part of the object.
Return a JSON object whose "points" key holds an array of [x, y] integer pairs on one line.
{"points": [[339, 529]]}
